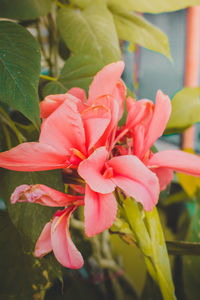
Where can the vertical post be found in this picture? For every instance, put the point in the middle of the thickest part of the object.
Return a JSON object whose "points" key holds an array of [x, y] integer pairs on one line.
{"points": [[192, 61]]}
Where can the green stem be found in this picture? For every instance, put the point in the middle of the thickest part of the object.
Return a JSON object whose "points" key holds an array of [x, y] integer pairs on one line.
{"points": [[48, 77]]}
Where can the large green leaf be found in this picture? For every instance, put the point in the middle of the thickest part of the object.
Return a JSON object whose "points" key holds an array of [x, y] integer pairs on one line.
{"points": [[24, 9], [152, 6], [136, 29], [185, 109], [78, 71], [21, 275], [29, 218], [19, 70], [91, 31]]}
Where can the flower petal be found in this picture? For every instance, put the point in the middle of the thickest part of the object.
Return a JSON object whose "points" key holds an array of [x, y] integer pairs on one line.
{"points": [[164, 175], [105, 81], [95, 120], [119, 94], [78, 93], [63, 247], [43, 245], [100, 211], [90, 171], [177, 160], [32, 157], [132, 176], [161, 114], [63, 129]]}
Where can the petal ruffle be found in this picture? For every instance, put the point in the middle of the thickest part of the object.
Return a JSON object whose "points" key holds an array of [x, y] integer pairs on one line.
{"points": [[164, 175], [63, 247], [100, 211], [32, 157]]}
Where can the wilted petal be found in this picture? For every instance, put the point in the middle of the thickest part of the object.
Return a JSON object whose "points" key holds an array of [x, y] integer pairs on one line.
{"points": [[105, 81], [43, 195], [99, 211], [91, 171], [177, 160], [63, 247], [33, 157], [43, 245], [135, 179], [63, 129]]}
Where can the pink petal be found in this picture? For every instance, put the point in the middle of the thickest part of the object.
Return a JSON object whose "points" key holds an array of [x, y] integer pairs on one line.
{"points": [[177, 160], [164, 175], [43, 195], [63, 247], [119, 94], [63, 129], [132, 176], [162, 111], [100, 211], [105, 81], [32, 157], [43, 245], [95, 120], [78, 93], [90, 170]]}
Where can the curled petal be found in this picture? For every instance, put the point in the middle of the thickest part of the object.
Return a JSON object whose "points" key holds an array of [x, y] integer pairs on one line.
{"points": [[135, 179], [99, 211], [176, 160], [91, 171], [32, 157], [43, 245], [78, 93], [63, 247], [105, 81], [119, 95], [43, 195]]}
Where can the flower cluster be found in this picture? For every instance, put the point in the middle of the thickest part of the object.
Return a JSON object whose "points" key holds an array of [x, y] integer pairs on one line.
{"points": [[82, 136]]}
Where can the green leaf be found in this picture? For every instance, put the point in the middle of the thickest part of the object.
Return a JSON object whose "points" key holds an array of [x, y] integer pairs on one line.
{"points": [[185, 109], [78, 71], [19, 69], [191, 265], [91, 31], [29, 218], [22, 276], [24, 10], [136, 29], [152, 6]]}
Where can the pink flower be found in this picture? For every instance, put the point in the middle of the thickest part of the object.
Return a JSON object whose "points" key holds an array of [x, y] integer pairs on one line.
{"points": [[55, 236], [147, 123], [71, 128]]}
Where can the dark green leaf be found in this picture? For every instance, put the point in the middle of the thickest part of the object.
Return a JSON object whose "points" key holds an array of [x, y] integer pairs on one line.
{"points": [[19, 69], [91, 31], [185, 109], [136, 29], [29, 218], [24, 9], [78, 71], [152, 6], [22, 276]]}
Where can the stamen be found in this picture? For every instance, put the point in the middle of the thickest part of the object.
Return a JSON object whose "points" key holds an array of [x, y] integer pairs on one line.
{"points": [[78, 153]]}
